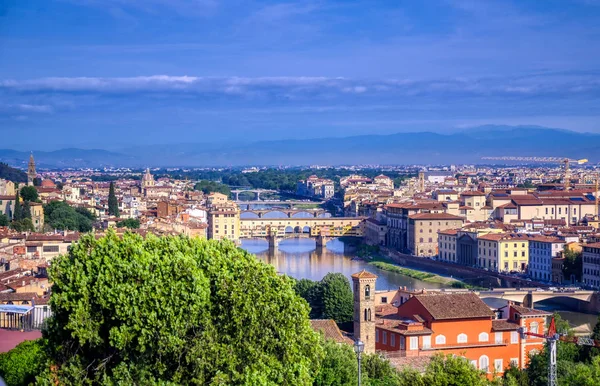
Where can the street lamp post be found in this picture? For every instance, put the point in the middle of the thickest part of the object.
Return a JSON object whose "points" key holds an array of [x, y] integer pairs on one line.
{"points": [[359, 347]]}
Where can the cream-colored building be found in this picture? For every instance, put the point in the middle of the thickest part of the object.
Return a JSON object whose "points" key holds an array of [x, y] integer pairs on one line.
{"points": [[224, 221], [503, 252], [37, 215], [423, 231], [216, 198], [7, 188]]}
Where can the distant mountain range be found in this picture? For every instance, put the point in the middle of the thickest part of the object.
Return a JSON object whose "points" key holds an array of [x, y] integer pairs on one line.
{"points": [[467, 146]]}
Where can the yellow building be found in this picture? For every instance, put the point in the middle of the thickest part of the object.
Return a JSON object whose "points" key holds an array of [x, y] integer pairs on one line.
{"points": [[503, 252], [224, 221], [37, 215]]}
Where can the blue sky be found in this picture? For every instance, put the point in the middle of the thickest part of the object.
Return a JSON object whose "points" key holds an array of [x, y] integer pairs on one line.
{"points": [[114, 73]]}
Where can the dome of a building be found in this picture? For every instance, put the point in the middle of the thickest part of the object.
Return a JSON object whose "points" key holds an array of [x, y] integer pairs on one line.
{"points": [[48, 184]]}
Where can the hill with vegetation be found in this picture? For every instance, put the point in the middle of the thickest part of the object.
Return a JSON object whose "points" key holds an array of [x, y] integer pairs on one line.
{"points": [[12, 174]]}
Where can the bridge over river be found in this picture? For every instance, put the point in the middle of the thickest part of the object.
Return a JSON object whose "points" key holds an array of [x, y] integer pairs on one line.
{"points": [[322, 229]]}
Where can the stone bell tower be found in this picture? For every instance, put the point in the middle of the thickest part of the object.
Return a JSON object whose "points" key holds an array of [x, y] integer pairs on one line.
{"points": [[31, 173], [364, 308]]}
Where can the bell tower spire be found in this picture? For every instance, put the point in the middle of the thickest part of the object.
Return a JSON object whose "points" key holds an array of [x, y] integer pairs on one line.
{"points": [[31, 173]]}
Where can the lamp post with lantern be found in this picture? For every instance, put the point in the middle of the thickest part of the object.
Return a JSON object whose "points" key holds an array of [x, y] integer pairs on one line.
{"points": [[359, 347]]}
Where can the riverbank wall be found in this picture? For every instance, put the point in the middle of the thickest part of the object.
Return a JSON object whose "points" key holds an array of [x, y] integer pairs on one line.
{"points": [[469, 275]]}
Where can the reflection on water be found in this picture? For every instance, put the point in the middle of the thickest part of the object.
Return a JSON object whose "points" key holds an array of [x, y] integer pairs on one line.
{"points": [[301, 259]]}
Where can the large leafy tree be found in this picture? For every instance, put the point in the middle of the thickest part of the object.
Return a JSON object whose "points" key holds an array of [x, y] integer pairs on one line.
{"points": [[312, 292], [113, 202], [29, 193], [175, 309], [3, 220], [131, 223], [337, 298], [20, 365], [60, 215], [452, 371]]}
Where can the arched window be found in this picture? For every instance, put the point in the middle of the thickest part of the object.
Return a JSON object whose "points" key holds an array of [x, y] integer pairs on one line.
{"points": [[369, 314], [533, 327], [367, 291], [440, 339], [365, 314], [462, 338], [484, 363], [484, 337]]}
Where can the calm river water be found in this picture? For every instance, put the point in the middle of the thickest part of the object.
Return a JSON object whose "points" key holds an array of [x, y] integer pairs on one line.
{"points": [[301, 259]]}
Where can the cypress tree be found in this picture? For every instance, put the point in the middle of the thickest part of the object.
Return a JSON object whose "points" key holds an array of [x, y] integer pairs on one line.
{"points": [[113, 203], [26, 210], [17, 213]]}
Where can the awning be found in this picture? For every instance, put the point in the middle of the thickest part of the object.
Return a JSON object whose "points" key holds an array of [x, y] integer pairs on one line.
{"points": [[15, 308]]}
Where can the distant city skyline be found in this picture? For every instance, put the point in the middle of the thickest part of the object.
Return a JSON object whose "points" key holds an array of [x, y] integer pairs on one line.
{"points": [[116, 73]]}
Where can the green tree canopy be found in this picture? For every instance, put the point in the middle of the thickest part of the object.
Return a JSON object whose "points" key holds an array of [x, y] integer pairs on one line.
{"points": [[20, 365], [212, 186], [175, 309], [60, 215], [131, 223], [12, 174], [113, 202], [312, 292], [3, 220], [337, 298], [29, 193], [17, 211]]}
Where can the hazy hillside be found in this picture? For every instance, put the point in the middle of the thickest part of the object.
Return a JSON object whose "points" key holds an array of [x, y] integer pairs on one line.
{"points": [[402, 148]]}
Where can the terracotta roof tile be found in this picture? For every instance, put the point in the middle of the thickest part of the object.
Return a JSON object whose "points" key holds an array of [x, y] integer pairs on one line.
{"points": [[504, 325], [454, 306], [330, 330], [364, 275]]}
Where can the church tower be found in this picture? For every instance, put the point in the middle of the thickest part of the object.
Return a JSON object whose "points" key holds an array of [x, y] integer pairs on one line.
{"points": [[364, 309], [147, 179], [31, 173]]}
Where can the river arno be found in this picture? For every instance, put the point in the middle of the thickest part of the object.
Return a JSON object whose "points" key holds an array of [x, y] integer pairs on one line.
{"points": [[299, 258]]}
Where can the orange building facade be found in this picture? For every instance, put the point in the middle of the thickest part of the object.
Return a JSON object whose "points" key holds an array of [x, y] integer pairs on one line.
{"points": [[460, 324]]}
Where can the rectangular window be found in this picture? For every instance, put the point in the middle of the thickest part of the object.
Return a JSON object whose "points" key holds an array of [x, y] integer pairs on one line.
{"points": [[402, 343], [414, 342], [384, 299], [377, 336], [31, 249], [498, 365], [427, 342], [514, 362], [384, 337], [498, 337], [514, 337], [50, 248], [393, 340]]}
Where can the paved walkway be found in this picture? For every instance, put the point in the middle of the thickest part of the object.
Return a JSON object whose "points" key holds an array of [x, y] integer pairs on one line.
{"points": [[9, 339]]}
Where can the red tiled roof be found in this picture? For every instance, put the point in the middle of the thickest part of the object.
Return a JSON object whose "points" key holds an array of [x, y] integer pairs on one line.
{"points": [[504, 325], [444, 306], [330, 330], [434, 216], [472, 193], [364, 275]]}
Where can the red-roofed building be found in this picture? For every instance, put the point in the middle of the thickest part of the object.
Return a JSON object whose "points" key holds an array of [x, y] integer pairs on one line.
{"points": [[423, 231]]}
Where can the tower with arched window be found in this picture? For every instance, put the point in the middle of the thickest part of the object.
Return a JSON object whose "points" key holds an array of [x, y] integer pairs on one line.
{"points": [[364, 308]]}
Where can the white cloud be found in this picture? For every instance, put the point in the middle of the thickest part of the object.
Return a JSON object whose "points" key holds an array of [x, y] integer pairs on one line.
{"points": [[290, 87], [25, 108]]}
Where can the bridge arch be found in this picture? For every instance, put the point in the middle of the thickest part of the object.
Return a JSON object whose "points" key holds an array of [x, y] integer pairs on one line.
{"points": [[249, 215], [306, 229], [324, 215], [274, 214], [302, 215], [289, 229]]}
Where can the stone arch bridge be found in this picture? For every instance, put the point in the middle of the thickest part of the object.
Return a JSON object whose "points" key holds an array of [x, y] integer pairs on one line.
{"points": [[236, 192], [322, 229], [529, 296], [290, 213]]}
